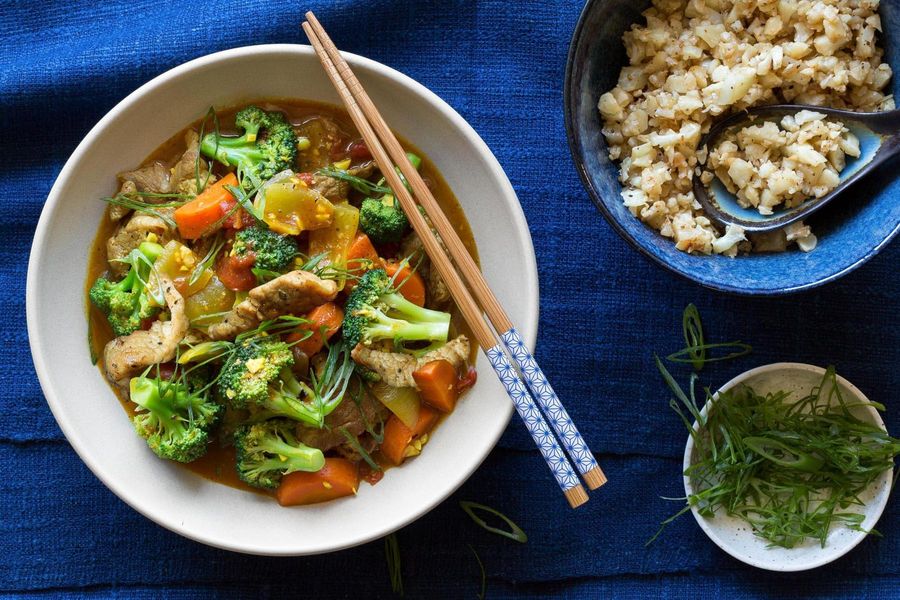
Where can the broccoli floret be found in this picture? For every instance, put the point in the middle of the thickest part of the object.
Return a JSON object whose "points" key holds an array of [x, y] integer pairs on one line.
{"points": [[375, 311], [127, 303], [251, 367], [267, 451], [285, 399], [258, 157], [310, 404], [273, 251], [257, 376], [174, 421], [382, 219]]}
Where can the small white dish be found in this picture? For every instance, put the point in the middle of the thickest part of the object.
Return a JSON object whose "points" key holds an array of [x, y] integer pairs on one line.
{"points": [[91, 416], [736, 537]]}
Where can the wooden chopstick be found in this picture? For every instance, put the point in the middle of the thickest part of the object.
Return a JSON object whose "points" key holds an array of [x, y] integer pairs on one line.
{"points": [[486, 338], [535, 379]]}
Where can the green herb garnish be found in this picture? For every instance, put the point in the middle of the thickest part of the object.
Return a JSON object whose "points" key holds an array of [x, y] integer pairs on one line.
{"points": [[353, 442], [483, 574], [693, 336], [514, 533], [695, 350], [685, 354], [392, 554], [197, 356], [363, 186], [207, 260], [788, 468], [210, 114], [90, 339], [137, 205]]}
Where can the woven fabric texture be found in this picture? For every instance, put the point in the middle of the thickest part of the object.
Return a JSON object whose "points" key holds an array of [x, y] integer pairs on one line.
{"points": [[604, 311]]}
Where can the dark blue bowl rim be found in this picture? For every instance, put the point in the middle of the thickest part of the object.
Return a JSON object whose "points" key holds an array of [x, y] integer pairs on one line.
{"points": [[569, 101]]}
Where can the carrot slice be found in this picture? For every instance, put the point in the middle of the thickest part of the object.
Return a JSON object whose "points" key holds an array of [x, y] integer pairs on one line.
{"points": [[437, 384], [398, 437], [360, 251], [410, 284], [324, 321], [339, 477], [195, 217]]}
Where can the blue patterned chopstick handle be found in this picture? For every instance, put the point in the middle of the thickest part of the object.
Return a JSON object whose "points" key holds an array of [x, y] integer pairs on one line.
{"points": [[559, 419], [534, 421]]}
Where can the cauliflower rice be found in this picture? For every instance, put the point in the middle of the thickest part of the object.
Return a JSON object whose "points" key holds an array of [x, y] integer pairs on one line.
{"points": [[699, 59], [772, 164]]}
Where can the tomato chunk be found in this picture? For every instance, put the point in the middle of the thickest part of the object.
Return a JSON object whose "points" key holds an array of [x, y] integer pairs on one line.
{"points": [[235, 272]]}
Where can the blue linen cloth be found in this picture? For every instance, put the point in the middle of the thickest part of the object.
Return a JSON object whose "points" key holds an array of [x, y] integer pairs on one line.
{"points": [[604, 311]]}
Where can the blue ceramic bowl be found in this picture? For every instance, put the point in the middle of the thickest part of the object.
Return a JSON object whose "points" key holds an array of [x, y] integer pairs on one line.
{"points": [[850, 231]]}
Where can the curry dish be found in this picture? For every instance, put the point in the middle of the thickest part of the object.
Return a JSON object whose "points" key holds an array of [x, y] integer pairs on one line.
{"points": [[262, 309]]}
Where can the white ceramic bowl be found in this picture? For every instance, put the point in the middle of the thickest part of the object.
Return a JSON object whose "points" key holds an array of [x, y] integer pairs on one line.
{"points": [[734, 536], [88, 412]]}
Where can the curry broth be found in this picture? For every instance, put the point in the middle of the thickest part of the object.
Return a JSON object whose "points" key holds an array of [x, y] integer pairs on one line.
{"points": [[218, 463]]}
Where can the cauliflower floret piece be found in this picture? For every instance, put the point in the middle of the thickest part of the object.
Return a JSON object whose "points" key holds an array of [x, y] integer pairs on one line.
{"points": [[734, 234], [732, 88]]}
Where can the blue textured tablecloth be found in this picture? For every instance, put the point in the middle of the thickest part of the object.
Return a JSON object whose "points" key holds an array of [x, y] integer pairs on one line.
{"points": [[604, 309]]}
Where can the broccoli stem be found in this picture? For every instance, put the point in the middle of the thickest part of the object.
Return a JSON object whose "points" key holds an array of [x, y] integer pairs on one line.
{"points": [[295, 458], [408, 310], [231, 151], [161, 399], [293, 386], [384, 327], [287, 405]]}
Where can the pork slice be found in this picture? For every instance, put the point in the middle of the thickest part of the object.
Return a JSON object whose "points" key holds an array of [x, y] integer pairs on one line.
{"points": [[293, 293], [437, 293], [184, 173], [348, 415], [155, 178], [116, 212], [396, 369], [128, 355], [336, 189], [130, 235]]}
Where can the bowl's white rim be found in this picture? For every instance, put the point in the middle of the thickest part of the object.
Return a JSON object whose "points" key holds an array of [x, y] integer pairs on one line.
{"points": [[529, 286], [827, 554]]}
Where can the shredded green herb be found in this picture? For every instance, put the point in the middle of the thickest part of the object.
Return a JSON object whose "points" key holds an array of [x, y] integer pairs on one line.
{"points": [[790, 469], [90, 340], [244, 200], [483, 574], [198, 356], [392, 554], [205, 320], [208, 260], [684, 355], [149, 208], [363, 186], [357, 397], [210, 114], [354, 443], [695, 350], [693, 336], [514, 533]]}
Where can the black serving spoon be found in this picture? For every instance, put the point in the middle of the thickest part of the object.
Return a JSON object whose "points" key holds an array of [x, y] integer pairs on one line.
{"points": [[879, 140]]}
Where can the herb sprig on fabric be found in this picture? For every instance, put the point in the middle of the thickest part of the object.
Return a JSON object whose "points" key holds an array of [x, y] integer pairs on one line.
{"points": [[696, 350], [392, 555], [514, 532]]}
